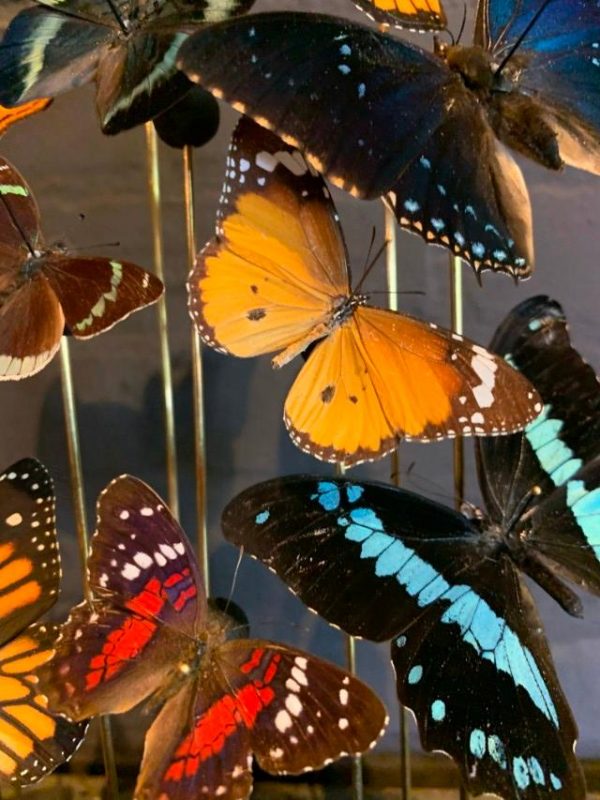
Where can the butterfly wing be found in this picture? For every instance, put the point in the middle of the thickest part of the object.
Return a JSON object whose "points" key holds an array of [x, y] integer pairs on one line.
{"points": [[477, 672], [534, 338], [291, 711], [468, 645], [270, 278], [138, 79], [147, 609], [375, 115], [29, 561], [33, 741], [558, 63], [421, 15], [382, 376], [558, 452], [46, 52], [10, 116], [96, 293], [19, 221]]}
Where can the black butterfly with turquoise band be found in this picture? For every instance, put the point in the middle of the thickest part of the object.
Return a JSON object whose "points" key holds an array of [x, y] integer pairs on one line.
{"points": [[447, 588], [128, 47]]}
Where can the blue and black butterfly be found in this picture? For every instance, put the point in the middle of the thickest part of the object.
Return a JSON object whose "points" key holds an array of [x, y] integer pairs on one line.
{"points": [[379, 116], [128, 47], [468, 646]]}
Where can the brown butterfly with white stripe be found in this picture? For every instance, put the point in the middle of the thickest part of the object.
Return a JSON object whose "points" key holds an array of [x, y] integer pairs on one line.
{"points": [[45, 292]]}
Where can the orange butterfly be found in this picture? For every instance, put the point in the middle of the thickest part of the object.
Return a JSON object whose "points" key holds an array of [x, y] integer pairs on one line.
{"points": [[33, 741], [8, 116], [420, 15], [276, 278]]}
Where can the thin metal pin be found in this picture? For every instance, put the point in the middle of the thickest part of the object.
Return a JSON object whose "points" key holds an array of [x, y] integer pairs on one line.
{"points": [[392, 284], [197, 377], [78, 498], [357, 762], [153, 170]]}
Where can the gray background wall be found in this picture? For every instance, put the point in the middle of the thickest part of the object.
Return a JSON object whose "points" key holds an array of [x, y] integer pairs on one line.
{"points": [[75, 171]]}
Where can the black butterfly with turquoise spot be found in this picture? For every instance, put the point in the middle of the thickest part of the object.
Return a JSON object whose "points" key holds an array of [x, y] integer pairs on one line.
{"points": [[468, 646], [128, 47], [379, 116]]}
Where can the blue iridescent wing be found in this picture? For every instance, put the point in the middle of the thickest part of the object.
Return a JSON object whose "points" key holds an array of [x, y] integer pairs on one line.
{"points": [[557, 451], [557, 63], [470, 654], [369, 111]]}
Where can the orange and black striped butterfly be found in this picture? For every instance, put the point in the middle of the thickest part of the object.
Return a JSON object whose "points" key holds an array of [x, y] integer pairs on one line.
{"points": [[45, 292], [276, 279], [419, 15], [33, 741], [8, 116]]}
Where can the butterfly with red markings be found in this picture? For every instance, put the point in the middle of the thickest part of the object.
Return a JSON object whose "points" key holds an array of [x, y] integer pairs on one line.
{"points": [[10, 116], [148, 631], [45, 292], [33, 741]]}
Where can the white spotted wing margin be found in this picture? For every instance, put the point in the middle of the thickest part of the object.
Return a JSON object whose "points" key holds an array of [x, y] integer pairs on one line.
{"points": [[478, 674], [255, 699]]}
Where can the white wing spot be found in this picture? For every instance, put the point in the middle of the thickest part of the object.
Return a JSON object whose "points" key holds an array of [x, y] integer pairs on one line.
{"points": [[14, 520], [283, 721]]}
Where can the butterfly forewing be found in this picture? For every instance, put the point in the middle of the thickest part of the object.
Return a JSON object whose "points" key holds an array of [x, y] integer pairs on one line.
{"points": [[29, 562], [10, 116], [269, 280], [19, 222], [402, 378], [96, 293], [33, 741], [291, 711], [141, 561], [421, 15]]}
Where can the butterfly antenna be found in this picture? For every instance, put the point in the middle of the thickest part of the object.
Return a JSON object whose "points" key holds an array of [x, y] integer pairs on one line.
{"points": [[118, 16], [368, 269], [528, 27], [234, 579], [462, 26], [79, 248], [17, 225]]}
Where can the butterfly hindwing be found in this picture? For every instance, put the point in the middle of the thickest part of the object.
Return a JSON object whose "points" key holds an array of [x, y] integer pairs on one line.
{"points": [[421, 15], [33, 741], [96, 293], [279, 258], [478, 674], [384, 376], [291, 711]]}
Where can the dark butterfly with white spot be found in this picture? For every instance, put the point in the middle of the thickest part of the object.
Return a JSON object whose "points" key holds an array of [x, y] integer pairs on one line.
{"points": [[275, 279], [380, 116], [420, 15], [468, 646], [45, 292], [148, 632], [128, 47], [33, 741]]}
